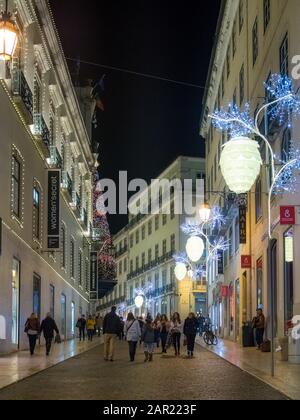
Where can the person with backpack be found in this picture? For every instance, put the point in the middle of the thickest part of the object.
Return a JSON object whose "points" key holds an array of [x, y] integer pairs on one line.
{"points": [[132, 332], [32, 329], [190, 331], [48, 327], [81, 325], [111, 330], [149, 340]]}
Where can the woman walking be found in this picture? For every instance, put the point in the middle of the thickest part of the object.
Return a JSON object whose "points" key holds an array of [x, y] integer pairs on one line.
{"points": [[133, 333], [148, 338], [157, 329], [176, 329], [164, 331], [32, 329], [190, 332], [90, 326]]}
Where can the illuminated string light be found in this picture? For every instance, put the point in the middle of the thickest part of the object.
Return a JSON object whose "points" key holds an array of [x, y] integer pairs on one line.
{"points": [[238, 123]]}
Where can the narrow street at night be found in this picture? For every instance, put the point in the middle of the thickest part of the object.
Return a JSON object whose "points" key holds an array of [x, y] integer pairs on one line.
{"points": [[89, 377]]}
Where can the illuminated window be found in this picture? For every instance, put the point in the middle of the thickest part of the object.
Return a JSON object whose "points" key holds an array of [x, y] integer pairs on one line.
{"points": [[36, 213]]}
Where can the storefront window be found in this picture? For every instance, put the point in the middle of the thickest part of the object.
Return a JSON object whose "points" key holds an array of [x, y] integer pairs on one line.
{"points": [[37, 295], [259, 282], [52, 300], [15, 301], [63, 316], [73, 319]]}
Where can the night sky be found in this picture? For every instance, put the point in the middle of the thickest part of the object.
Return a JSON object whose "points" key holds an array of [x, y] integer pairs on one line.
{"points": [[148, 123]]}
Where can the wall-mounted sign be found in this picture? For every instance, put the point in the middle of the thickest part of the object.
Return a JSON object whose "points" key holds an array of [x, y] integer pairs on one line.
{"points": [[220, 262], [94, 276], [243, 224], [53, 209], [246, 261], [287, 215]]}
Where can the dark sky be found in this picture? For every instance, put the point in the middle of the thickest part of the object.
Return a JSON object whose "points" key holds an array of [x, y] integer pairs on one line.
{"points": [[148, 123]]}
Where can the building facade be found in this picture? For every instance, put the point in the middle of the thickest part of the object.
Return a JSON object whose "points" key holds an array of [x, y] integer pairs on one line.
{"points": [[41, 129], [255, 38], [145, 249]]}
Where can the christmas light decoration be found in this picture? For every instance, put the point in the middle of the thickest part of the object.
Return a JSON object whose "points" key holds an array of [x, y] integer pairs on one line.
{"points": [[8, 35], [139, 301], [195, 248], [204, 213], [240, 164], [180, 271], [237, 123]]}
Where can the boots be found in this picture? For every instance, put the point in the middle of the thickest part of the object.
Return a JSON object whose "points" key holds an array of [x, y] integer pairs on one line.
{"points": [[146, 356], [150, 357]]}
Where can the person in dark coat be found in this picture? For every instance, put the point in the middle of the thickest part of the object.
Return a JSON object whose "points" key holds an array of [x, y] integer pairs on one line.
{"points": [[111, 330], [81, 325], [32, 329], [48, 327], [190, 332]]}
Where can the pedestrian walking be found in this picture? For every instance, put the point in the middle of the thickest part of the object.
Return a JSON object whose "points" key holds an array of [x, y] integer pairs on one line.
{"points": [[190, 332], [32, 329], [164, 331], [148, 338], [111, 330], [157, 329], [121, 335], [133, 333], [90, 326], [81, 325], [176, 330], [48, 327], [259, 323]]}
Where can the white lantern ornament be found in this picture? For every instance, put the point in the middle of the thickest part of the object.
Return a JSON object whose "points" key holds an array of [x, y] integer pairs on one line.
{"points": [[195, 248], [139, 301], [180, 271], [240, 164]]}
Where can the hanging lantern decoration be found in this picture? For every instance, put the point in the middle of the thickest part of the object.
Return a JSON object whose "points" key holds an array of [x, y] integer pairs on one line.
{"points": [[180, 271], [195, 248], [240, 164], [204, 213], [8, 36], [139, 301]]}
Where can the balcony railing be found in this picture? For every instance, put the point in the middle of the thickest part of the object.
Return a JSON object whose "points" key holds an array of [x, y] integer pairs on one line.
{"points": [[21, 89], [121, 251], [40, 129], [154, 263], [67, 184], [55, 157]]}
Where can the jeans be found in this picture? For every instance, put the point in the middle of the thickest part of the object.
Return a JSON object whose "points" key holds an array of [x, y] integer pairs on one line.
{"points": [[90, 334], [164, 337], [260, 336], [132, 349], [81, 334], [48, 344], [176, 342], [190, 338], [32, 342]]}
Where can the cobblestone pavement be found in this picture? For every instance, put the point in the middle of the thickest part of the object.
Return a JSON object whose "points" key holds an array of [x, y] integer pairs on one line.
{"points": [[88, 376]]}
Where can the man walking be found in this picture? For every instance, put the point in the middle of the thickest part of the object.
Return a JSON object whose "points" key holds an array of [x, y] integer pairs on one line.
{"points": [[48, 327], [81, 325], [111, 330]]}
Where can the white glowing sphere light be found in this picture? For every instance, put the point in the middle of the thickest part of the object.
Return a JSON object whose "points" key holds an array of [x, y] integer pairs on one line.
{"points": [[180, 271], [240, 164], [139, 301], [195, 248]]}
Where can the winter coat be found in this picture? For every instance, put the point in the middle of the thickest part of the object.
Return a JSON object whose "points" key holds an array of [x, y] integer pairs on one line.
{"points": [[32, 326], [176, 327], [48, 327], [90, 324], [148, 336], [132, 330], [112, 324], [190, 326], [81, 323]]}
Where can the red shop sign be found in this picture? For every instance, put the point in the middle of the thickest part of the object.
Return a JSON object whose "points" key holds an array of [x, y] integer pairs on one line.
{"points": [[224, 291], [246, 261], [287, 215]]}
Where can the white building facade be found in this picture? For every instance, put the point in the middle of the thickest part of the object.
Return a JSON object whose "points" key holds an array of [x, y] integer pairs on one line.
{"points": [[41, 129], [145, 250]]}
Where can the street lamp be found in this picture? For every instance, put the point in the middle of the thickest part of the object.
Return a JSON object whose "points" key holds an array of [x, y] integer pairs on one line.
{"points": [[204, 213], [8, 35]]}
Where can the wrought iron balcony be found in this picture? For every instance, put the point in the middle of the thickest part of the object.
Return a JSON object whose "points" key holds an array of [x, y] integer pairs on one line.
{"points": [[23, 95], [67, 184], [55, 158], [41, 130]]}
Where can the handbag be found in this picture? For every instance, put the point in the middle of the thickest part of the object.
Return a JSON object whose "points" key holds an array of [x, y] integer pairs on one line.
{"points": [[57, 339]]}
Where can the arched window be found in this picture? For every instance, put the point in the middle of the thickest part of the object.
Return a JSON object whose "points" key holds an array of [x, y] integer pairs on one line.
{"points": [[286, 145]]}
